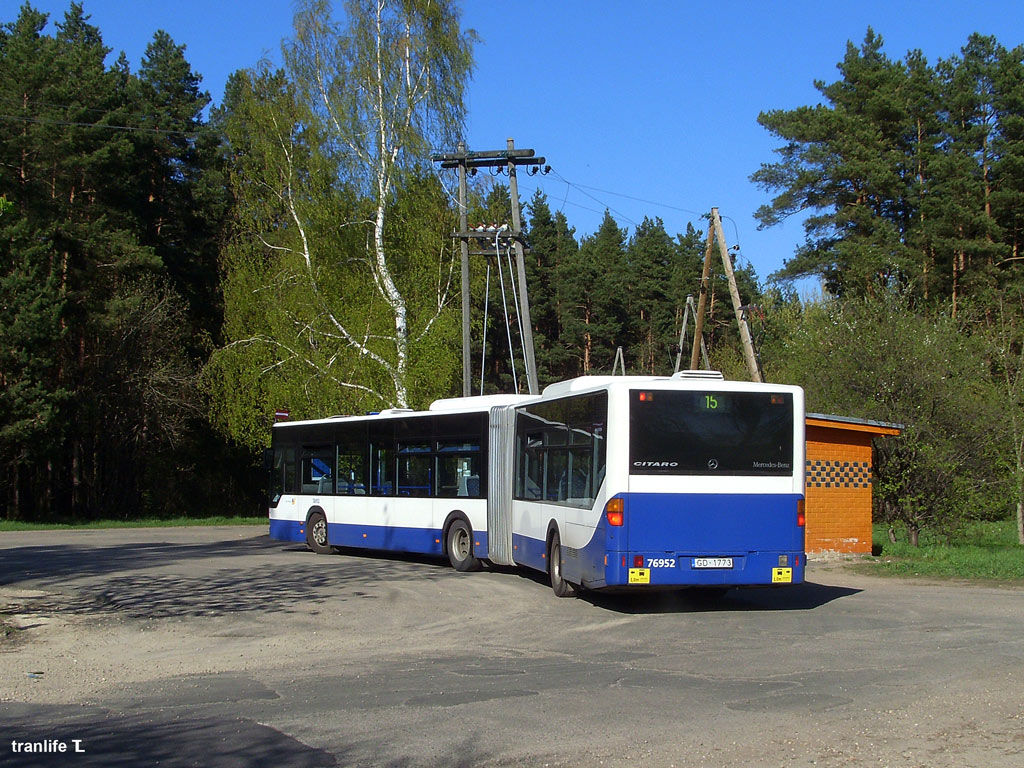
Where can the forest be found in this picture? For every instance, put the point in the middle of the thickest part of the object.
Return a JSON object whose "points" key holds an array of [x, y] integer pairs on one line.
{"points": [[172, 272]]}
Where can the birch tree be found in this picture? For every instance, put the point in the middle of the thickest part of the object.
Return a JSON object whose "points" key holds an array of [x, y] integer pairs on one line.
{"points": [[339, 278]]}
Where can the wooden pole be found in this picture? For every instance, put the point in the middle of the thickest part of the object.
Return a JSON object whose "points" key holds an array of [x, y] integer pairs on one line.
{"points": [[690, 307], [748, 344], [702, 302]]}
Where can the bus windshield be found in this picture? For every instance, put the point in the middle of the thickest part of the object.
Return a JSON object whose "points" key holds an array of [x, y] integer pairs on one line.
{"points": [[710, 433]]}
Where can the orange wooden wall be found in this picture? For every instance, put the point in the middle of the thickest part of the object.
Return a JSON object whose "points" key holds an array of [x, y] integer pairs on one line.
{"points": [[838, 486]]}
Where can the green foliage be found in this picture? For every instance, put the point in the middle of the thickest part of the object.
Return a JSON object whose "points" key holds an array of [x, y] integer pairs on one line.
{"points": [[910, 177], [552, 242], [97, 358], [878, 359], [30, 426], [339, 275], [910, 174]]}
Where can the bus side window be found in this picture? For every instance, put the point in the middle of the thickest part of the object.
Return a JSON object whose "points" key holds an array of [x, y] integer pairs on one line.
{"points": [[560, 451], [382, 471], [351, 465], [283, 475], [531, 465], [351, 474], [317, 473], [556, 482], [414, 469], [457, 463]]}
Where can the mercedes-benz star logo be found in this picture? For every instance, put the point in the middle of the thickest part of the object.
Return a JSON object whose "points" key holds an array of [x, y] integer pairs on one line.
{"points": [[713, 464]]}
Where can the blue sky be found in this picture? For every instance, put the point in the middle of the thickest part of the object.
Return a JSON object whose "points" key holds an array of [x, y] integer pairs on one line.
{"points": [[655, 100]]}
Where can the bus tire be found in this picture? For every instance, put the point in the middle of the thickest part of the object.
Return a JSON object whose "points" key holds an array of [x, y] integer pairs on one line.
{"points": [[316, 534], [459, 544], [559, 586]]}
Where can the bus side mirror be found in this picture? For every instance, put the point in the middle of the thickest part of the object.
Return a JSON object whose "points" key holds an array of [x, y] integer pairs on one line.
{"points": [[268, 459]]}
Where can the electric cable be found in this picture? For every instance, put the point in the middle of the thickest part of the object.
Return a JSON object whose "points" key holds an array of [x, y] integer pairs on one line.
{"points": [[73, 123], [483, 344], [508, 326], [519, 317]]}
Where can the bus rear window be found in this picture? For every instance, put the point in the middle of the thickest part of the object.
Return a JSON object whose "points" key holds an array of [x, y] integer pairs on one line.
{"points": [[710, 433]]}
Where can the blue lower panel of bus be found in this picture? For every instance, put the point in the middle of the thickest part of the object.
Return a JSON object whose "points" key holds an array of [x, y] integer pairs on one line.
{"points": [[530, 552], [686, 540], [287, 530], [425, 541], [706, 540]]}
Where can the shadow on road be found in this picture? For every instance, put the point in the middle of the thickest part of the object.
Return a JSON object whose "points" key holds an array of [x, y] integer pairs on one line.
{"points": [[801, 597], [168, 579], [129, 578], [117, 741], [27, 563]]}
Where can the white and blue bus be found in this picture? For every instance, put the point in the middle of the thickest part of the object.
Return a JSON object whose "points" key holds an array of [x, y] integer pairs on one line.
{"points": [[601, 482]]}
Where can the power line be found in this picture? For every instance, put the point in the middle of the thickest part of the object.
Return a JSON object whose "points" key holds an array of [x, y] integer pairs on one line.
{"points": [[23, 102], [582, 187], [631, 197], [76, 124], [595, 199], [566, 202]]}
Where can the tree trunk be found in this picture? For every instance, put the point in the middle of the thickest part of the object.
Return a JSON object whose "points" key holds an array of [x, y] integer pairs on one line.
{"points": [[586, 343], [955, 284]]}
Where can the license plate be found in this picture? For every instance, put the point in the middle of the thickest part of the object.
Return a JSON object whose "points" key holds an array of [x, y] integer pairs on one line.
{"points": [[712, 562], [639, 575], [782, 575]]}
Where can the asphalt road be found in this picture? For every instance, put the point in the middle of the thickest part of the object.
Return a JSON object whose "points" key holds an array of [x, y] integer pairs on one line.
{"points": [[218, 647]]}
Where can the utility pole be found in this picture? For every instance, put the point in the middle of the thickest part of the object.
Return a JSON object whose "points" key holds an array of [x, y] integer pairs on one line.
{"points": [[715, 232], [468, 162], [467, 372], [737, 305], [702, 303], [690, 307], [524, 300]]}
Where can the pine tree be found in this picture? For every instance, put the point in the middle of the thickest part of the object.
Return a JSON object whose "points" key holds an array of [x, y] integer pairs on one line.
{"points": [[181, 200], [552, 242], [86, 287], [650, 330], [592, 288], [846, 163], [1008, 167], [967, 237]]}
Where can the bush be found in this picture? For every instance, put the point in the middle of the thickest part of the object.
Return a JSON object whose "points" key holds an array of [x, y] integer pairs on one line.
{"points": [[876, 358]]}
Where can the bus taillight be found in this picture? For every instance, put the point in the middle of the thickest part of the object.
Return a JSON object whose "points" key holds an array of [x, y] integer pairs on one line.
{"points": [[801, 518], [613, 511]]}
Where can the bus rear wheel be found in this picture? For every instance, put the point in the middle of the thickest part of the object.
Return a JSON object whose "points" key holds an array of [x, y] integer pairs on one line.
{"points": [[459, 544], [316, 534], [559, 586]]}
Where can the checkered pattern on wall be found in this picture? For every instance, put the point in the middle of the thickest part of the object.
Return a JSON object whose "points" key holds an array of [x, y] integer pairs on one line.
{"points": [[838, 474]]}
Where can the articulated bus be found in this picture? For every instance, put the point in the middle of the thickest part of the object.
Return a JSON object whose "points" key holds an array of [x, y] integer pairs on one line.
{"points": [[602, 482]]}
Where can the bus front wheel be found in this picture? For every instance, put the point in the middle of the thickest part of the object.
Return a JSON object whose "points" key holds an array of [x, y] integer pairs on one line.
{"points": [[460, 547], [560, 586], [316, 534]]}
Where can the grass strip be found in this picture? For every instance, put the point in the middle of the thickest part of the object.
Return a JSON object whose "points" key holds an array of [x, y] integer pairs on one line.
{"points": [[984, 551]]}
